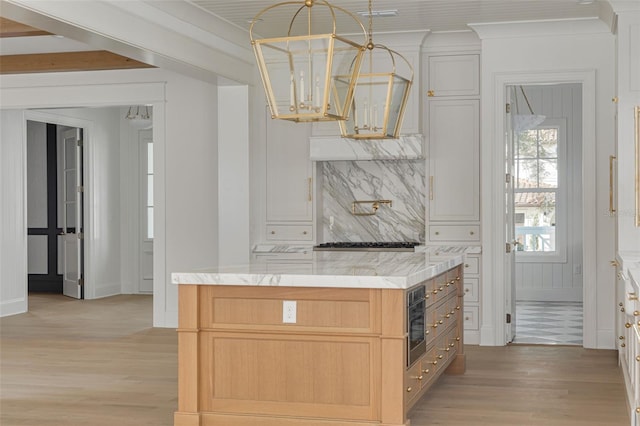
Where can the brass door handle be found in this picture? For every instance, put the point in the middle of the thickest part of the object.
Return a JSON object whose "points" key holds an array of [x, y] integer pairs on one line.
{"points": [[612, 159]]}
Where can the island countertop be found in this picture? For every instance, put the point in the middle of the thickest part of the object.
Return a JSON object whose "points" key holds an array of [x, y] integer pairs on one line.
{"points": [[390, 270]]}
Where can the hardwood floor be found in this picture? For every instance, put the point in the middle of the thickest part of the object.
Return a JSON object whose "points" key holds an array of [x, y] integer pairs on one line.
{"points": [[100, 363]]}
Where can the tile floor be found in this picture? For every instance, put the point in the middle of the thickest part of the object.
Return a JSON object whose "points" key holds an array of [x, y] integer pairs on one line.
{"points": [[549, 323]]}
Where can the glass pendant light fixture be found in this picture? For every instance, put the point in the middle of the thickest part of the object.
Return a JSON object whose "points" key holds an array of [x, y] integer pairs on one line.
{"points": [[309, 73], [381, 93], [139, 117]]}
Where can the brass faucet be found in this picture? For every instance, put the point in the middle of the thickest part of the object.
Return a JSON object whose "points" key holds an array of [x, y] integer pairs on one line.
{"points": [[375, 205]]}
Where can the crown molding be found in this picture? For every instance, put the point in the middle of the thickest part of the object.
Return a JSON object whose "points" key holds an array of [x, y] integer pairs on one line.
{"points": [[553, 27]]}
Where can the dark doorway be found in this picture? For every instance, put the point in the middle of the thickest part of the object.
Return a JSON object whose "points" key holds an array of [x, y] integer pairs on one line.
{"points": [[43, 229]]}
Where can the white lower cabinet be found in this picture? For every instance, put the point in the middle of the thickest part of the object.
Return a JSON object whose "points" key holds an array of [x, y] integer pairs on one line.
{"points": [[472, 289]]}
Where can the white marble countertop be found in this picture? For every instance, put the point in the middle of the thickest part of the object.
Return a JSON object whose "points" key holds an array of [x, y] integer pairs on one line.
{"points": [[393, 270]]}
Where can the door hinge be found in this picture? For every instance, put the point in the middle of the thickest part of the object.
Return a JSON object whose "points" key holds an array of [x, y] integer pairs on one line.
{"points": [[80, 142], [508, 247], [508, 318], [81, 282], [508, 108], [81, 188], [507, 178], [81, 235]]}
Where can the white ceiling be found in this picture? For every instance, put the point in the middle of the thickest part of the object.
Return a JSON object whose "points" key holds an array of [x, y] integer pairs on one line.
{"points": [[435, 15]]}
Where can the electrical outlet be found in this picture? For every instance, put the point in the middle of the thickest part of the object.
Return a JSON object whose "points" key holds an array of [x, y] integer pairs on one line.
{"points": [[289, 308]]}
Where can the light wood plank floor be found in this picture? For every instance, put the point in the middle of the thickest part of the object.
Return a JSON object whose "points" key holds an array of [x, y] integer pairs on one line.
{"points": [[100, 362]]}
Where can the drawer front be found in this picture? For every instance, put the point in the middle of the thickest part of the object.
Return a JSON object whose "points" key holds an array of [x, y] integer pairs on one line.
{"points": [[290, 232], [472, 265], [413, 380], [471, 289], [470, 318], [454, 233]]}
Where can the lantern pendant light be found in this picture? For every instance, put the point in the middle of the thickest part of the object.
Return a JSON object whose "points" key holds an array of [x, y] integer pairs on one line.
{"points": [[308, 75], [381, 93]]}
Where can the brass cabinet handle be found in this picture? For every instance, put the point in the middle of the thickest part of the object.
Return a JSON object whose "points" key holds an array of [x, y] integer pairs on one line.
{"points": [[431, 189], [613, 263], [632, 296], [430, 93], [612, 159]]}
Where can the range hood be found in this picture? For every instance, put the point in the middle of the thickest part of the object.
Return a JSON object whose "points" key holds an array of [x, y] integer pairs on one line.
{"points": [[331, 148]]}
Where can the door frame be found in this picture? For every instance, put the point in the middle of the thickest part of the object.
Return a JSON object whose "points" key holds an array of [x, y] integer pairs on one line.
{"points": [[85, 95], [87, 131], [498, 296]]}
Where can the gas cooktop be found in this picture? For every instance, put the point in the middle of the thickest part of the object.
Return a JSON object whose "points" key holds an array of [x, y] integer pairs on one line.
{"points": [[368, 246]]}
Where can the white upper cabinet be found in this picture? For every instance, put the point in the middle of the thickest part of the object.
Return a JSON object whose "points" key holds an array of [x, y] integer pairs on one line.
{"points": [[454, 75], [289, 173], [454, 163]]}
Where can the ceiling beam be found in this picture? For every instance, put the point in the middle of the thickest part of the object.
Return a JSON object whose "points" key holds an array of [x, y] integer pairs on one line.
{"points": [[9, 28], [67, 61]]}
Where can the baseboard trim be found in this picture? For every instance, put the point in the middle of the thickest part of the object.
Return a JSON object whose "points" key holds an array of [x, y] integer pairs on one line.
{"points": [[13, 307]]}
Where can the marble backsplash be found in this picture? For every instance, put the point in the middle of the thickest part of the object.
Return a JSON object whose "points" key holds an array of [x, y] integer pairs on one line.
{"points": [[402, 182]]}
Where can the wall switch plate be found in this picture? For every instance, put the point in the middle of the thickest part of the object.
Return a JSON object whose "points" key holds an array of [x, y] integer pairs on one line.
{"points": [[289, 308]]}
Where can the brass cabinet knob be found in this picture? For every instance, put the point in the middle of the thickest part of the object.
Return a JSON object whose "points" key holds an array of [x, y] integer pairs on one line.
{"points": [[628, 325], [452, 344], [620, 304], [622, 345], [636, 313], [457, 339], [638, 358], [417, 377], [437, 233], [425, 371], [430, 93], [435, 325], [448, 316], [638, 410], [304, 232], [621, 309], [435, 291], [441, 288], [426, 296], [273, 232], [621, 337], [440, 356], [613, 262], [427, 331], [447, 349], [435, 362], [471, 233], [457, 308], [440, 322], [409, 389]]}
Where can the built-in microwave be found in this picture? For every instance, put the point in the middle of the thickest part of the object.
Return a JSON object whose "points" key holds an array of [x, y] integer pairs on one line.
{"points": [[416, 342]]}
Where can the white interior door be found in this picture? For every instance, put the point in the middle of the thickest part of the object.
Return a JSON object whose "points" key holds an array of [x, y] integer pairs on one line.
{"points": [[145, 284], [510, 243], [72, 213]]}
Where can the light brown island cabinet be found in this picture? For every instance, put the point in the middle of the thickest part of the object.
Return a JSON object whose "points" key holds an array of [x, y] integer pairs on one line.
{"points": [[343, 362]]}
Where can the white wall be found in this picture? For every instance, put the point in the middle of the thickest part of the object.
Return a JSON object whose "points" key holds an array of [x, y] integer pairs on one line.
{"points": [[560, 280], [185, 131], [532, 53], [13, 223], [233, 185]]}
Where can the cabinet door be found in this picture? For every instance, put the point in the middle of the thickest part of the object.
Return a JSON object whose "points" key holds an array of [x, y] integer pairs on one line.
{"points": [[289, 185], [454, 75], [454, 164]]}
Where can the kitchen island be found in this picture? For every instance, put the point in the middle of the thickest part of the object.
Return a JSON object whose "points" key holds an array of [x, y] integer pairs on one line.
{"points": [[319, 344]]}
